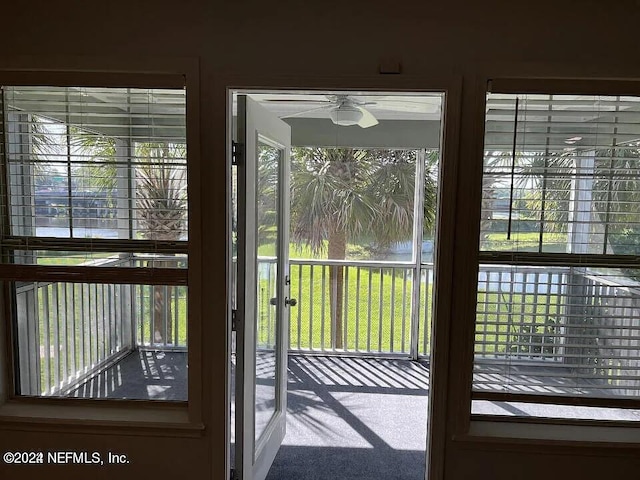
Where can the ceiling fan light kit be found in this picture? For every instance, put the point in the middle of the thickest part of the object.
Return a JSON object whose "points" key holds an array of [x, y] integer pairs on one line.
{"points": [[346, 115]]}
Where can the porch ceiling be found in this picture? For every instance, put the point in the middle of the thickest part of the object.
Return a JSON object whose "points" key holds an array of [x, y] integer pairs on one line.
{"points": [[406, 120]]}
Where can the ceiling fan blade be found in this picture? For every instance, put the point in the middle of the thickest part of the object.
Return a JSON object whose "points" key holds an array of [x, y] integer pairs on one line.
{"points": [[367, 120], [410, 104], [315, 109], [293, 100]]}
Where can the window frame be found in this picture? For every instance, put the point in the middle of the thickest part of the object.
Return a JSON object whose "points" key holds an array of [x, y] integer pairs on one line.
{"points": [[480, 424], [183, 418]]}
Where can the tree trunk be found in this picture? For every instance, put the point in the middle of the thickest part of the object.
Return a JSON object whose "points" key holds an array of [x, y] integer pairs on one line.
{"points": [[337, 251], [162, 318]]}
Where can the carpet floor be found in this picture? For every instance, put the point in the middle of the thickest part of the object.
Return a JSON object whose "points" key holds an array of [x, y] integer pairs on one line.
{"points": [[141, 375], [347, 417], [354, 418]]}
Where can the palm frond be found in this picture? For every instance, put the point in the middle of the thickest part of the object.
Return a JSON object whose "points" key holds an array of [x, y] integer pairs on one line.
{"points": [[161, 190], [361, 193]]}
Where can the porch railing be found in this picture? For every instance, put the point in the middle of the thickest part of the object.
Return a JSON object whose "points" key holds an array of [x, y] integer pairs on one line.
{"points": [[519, 313], [525, 315], [358, 307], [581, 328], [69, 331], [352, 307], [362, 307], [563, 317]]}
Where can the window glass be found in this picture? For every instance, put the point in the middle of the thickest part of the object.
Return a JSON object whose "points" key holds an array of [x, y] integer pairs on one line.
{"points": [[96, 163], [96, 177], [561, 174], [90, 340], [569, 331], [561, 179]]}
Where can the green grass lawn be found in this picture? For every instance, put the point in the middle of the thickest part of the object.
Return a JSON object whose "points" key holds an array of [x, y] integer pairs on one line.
{"points": [[70, 259], [301, 251], [375, 317], [526, 242]]}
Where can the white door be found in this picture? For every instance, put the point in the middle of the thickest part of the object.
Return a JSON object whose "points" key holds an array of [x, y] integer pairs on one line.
{"points": [[263, 288]]}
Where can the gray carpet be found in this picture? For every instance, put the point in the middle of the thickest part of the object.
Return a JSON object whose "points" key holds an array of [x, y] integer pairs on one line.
{"points": [[141, 375], [347, 418], [354, 418]]}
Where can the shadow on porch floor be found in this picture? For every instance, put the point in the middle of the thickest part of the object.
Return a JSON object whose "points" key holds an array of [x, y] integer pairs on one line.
{"points": [[354, 418], [141, 375], [347, 417]]}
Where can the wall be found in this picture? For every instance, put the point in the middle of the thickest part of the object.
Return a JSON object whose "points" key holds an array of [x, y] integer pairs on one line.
{"points": [[251, 43]]}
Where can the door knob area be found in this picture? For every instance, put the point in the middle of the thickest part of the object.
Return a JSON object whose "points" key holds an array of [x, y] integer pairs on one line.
{"points": [[287, 301]]}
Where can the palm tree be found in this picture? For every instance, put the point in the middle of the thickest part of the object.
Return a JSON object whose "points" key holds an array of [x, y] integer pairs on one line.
{"points": [[159, 179], [615, 191], [341, 195], [161, 201]]}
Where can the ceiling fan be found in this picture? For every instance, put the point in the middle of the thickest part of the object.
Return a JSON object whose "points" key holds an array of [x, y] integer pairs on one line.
{"points": [[344, 110]]}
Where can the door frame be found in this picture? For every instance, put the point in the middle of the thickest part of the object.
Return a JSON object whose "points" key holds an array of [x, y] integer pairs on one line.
{"points": [[438, 421]]}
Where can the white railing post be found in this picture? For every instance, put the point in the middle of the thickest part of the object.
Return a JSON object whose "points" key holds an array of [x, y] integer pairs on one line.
{"points": [[418, 226]]}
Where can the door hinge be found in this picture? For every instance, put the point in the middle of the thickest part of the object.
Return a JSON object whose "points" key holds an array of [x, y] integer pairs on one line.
{"points": [[236, 153], [234, 320]]}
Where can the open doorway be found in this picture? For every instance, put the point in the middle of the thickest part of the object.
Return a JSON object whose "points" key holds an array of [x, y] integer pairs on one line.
{"points": [[334, 213]]}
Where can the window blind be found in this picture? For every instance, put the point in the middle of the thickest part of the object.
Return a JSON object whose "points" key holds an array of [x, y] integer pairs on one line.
{"points": [[561, 174], [96, 163]]}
